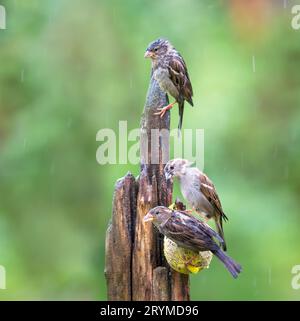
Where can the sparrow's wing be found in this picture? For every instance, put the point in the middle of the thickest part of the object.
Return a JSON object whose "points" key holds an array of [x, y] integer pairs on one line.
{"points": [[208, 189], [190, 232], [180, 77]]}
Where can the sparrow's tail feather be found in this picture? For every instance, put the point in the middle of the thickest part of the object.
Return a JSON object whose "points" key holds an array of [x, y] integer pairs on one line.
{"points": [[233, 267], [181, 108], [190, 101], [219, 225]]}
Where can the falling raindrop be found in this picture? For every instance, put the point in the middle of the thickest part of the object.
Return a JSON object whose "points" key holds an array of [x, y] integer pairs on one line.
{"points": [[284, 4], [270, 276], [22, 75], [253, 64], [254, 282]]}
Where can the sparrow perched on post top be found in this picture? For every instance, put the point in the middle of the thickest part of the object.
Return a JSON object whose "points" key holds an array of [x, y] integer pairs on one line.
{"points": [[188, 232], [199, 191], [170, 71]]}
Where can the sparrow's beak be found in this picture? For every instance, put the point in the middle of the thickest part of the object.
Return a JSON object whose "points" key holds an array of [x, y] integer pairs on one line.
{"points": [[168, 176], [148, 54], [148, 218]]}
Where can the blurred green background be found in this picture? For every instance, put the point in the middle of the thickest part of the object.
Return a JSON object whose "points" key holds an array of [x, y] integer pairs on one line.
{"points": [[69, 68]]}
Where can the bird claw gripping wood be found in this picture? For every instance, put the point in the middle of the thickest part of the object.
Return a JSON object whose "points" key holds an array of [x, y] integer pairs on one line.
{"points": [[163, 110]]}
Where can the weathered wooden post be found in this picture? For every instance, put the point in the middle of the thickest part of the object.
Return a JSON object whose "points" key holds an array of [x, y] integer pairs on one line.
{"points": [[135, 267]]}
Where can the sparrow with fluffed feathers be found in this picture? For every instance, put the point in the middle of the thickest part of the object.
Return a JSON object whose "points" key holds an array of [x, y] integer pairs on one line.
{"points": [[170, 71], [199, 191], [189, 232]]}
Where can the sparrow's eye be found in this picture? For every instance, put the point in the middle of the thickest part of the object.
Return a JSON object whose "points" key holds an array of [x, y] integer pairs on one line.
{"points": [[157, 212], [156, 49], [171, 167]]}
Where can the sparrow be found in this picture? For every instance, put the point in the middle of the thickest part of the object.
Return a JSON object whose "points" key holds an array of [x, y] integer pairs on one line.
{"points": [[190, 233], [199, 191], [178, 205], [170, 71], [184, 260], [181, 259]]}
